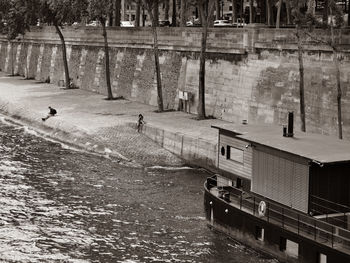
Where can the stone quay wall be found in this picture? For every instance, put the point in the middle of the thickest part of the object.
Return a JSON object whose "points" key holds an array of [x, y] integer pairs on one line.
{"points": [[251, 73]]}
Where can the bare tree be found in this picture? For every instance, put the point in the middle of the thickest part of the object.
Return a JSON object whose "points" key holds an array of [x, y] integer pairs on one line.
{"points": [[58, 12], [217, 9], [174, 14], [278, 18], [138, 13], [183, 13], [333, 9], [206, 8], [336, 21], [99, 9], [152, 8], [234, 11], [251, 18], [300, 20], [288, 10], [311, 7], [166, 10], [270, 16], [117, 16]]}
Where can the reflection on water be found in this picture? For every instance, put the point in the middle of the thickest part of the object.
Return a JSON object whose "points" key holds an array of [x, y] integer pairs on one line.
{"points": [[59, 205]]}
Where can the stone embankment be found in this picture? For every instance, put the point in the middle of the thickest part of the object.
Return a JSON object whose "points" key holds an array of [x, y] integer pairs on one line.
{"points": [[251, 73], [85, 120]]}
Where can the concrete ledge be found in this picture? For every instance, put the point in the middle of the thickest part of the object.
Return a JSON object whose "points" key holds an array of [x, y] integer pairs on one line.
{"points": [[196, 151]]}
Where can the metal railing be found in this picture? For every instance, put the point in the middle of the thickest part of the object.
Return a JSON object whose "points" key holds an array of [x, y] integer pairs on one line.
{"points": [[331, 212], [287, 218]]}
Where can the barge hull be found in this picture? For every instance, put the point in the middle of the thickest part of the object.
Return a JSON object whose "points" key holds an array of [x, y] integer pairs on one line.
{"points": [[243, 227]]}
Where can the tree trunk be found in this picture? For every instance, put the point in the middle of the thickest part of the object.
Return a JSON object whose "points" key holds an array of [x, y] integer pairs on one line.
{"points": [[138, 13], [325, 12], [268, 10], [166, 10], [203, 10], [278, 18], [262, 9], [200, 15], [155, 10], [311, 7], [183, 13], [288, 9], [173, 18], [117, 12], [64, 56], [210, 17], [217, 8], [339, 94], [251, 20], [143, 17], [108, 75], [159, 79], [12, 59], [349, 13], [110, 19], [337, 76], [234, 11], [156, 57], [301, 81], [202, 57]]}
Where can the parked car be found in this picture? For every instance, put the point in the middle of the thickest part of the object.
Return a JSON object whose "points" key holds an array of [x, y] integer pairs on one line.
{"points": [[222, 23], [126, 24], [93, 23], [164, 23], [239, 23], [194, 22]]}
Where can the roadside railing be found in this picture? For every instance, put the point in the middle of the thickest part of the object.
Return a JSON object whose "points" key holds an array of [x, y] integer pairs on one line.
{"points": [[287, 218]]}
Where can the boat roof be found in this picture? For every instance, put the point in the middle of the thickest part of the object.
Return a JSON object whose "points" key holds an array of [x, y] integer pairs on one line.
{"points": [[315, 147]]}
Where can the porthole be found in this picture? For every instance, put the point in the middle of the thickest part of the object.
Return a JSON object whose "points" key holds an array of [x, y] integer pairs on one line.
{"points": [[223, 151]]}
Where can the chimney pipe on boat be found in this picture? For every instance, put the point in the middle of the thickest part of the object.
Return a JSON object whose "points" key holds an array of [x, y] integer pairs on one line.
{"points": [[284, 130]]}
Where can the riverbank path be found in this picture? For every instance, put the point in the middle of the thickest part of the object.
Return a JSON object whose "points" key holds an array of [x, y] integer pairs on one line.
{"points": [[87, 119]]}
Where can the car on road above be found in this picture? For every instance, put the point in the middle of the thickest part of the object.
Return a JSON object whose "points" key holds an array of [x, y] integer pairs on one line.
{"points": [[164, 23], [222, 23], [93, 23], [126, 24], [239, 23], [194, 22]]}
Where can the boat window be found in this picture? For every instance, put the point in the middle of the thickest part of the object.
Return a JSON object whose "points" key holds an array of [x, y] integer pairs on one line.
{"points": [[292, 248], [234, 154], [322, 258], [239, 183], [283, 243], [223, 150], [259, 233]]}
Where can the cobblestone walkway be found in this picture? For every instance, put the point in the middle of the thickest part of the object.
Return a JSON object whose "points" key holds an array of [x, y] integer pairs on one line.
{"points": [[87, 119]]}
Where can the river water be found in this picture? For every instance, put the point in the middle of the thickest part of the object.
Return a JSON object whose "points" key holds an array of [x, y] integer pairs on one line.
{"points": [[61, 205]]}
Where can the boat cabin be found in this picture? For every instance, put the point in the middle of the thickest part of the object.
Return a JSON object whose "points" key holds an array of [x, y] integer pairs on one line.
{"points": [[306, 172]]}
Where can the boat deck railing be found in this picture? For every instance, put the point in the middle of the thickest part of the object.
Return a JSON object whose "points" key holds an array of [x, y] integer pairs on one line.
{"points": [[301, 224], [331, 212]]}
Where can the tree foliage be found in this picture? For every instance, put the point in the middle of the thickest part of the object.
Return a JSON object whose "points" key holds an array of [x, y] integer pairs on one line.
{"points": [[62, 11], [16, 16], [99, 9]]}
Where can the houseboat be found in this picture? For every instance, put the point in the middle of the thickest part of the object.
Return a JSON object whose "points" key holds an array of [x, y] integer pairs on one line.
{"points": [[284, 193]]}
